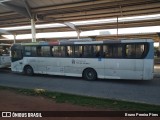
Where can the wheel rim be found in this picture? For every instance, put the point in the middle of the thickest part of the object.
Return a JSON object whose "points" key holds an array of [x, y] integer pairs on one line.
{"points": [[90, 75], [28, 71]]}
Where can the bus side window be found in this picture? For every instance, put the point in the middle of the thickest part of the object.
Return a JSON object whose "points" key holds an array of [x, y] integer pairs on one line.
{"points": [[45, 51], [54, 51], [135, 50], [69, 51], [34, 51], [97, 51], [107, 51], [27, 50], [97, 54], [39, 52], [117, 51], [87, 51], [58, 51], [140, 49], [62, 51], [78, 51]]}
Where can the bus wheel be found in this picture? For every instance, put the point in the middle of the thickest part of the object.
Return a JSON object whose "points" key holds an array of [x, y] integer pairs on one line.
{"points": [[28, 70], [90, 74]]}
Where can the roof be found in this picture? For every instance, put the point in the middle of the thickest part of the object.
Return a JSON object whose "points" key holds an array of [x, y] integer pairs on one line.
{"points": [[86, 41], [19, 12]]}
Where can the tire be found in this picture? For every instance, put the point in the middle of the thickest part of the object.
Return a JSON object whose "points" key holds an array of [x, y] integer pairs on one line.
{"points": [[28, 70], [90, 74]]}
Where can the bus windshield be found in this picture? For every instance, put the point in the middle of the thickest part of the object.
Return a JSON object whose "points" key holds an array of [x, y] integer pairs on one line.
{"points": [[16, 53], [4, 49]]}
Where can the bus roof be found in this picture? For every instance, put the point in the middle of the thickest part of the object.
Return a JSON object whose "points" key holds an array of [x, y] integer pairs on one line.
{"points": [[87, 42]]}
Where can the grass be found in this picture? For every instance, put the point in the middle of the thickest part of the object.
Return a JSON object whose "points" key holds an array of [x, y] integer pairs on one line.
{"points": [[115, 105]]}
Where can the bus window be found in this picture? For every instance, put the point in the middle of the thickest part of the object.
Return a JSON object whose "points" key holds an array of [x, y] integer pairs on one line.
{"points": [[58, 51], [4, 50], [39, 51], [108, 51], [45, 51], [34, 51], [117, 51], [30, 51], [87, 51], [78, 51], [70, 51], [139, 50], [16, 55], [112, 51], [27, 51], [97, 50], [135, 50]]}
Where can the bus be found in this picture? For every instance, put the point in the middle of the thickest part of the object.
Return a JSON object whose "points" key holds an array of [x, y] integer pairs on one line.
{"points": [[107, 59], [5, 59]]}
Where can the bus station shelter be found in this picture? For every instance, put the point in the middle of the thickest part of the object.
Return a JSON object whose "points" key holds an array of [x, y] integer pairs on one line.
{"points": [[32, 17]]}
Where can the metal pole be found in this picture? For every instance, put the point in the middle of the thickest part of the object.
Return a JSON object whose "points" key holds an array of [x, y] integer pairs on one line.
{"points": [[117, 27], [78, 34], [14, 38], [33, 30]]}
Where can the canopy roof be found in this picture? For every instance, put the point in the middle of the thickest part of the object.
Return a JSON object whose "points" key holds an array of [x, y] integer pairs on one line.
{"points": [[19, 13]]}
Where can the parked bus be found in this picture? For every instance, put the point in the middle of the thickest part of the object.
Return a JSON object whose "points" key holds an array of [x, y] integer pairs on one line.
{"points": [[110, 59], [5, 59]]}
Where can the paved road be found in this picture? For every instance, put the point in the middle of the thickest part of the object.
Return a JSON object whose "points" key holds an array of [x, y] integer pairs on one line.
{"points": [[138, 91]]}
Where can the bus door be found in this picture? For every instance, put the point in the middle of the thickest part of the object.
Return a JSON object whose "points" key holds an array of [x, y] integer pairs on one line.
{"points": [[16, 58]]}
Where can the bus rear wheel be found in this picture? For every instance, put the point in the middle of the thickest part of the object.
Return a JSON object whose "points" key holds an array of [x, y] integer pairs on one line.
{"points": [[28, 70], [90, 74]]}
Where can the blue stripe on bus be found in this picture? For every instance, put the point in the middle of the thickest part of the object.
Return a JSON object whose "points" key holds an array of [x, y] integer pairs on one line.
{"points": [[150, 54], [66, 43], [112, 41]]}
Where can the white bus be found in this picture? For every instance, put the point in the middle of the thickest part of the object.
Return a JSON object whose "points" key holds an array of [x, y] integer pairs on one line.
{"points": [[5, 59], [110, 59]]}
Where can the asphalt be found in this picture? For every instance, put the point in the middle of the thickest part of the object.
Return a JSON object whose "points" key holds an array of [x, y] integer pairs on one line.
{"points": [[127, 90]]}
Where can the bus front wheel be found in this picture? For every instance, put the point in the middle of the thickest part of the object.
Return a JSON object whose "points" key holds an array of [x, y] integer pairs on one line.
{"points": [[28, 70], [90, 74]]}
